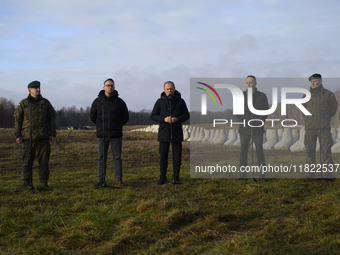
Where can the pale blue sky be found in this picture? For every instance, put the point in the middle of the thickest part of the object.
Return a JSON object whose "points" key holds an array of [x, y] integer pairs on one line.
{"points": [[73, 46]]}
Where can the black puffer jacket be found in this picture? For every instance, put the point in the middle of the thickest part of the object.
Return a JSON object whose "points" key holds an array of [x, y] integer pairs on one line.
{"points": [[115, 115], [162, 109], [260, 102]]}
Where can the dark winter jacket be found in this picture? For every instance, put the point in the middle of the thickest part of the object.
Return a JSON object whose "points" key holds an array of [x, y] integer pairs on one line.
{"points": [[115, 115], [162, 109], [40, 114], [260, 102], [325, 99]]}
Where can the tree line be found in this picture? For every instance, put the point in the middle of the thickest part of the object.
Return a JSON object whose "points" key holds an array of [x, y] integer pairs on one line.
{"points": [[72, 116], [7, 108], [69, 116]]}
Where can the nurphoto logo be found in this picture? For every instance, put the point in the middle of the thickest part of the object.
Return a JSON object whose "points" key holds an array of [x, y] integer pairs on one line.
{"points": [[238, 99]]}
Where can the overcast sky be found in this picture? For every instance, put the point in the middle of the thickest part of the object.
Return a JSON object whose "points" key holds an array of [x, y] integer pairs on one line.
{"points": [[71, 47]]}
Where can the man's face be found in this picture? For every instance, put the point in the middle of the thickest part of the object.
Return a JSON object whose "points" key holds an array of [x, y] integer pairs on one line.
{"points": [[34, 92], [250, 82], [109, 87], [169, 89], [315, 83]]}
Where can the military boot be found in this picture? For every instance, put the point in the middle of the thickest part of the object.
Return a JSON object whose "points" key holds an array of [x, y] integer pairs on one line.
{"points": [[45, 185]]}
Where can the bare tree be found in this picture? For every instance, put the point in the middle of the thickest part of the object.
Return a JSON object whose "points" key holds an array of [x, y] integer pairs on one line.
{"points": [[7, 109]]}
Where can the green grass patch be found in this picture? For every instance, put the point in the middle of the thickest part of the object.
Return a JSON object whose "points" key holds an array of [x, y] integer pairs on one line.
{"points": [[202, 216]]}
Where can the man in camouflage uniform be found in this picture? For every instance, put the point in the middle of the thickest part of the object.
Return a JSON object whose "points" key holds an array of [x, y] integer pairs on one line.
{"points": [[322, 106], [35, 122]]}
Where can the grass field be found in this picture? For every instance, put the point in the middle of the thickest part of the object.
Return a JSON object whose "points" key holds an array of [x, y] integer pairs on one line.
{"points": [[202, 216]]}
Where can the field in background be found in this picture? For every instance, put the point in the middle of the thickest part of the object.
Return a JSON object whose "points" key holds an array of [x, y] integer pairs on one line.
{"points": [[203, 216]]}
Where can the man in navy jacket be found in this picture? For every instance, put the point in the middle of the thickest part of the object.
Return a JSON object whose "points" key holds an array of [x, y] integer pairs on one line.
{"points": [[109, 113], [170, 111]]}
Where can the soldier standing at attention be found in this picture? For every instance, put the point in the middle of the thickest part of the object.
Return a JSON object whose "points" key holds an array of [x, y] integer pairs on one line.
{"points": [[322, 106], [35, 128]]}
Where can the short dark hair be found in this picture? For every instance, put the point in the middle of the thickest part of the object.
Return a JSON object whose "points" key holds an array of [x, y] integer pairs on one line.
{"points": [[252, 76], [170, 82], [109, 79]]}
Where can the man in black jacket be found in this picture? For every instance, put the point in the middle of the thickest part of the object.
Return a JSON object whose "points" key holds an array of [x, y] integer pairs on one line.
{"points": [[170, 111], [247, 132], [109, 113]]}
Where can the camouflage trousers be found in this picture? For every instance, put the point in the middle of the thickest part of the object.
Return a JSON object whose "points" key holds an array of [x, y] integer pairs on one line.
{"points": [[326, 143], [42, 150]]}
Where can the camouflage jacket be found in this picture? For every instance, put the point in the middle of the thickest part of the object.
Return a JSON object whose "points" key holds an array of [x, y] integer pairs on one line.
{"points": [[40, 113], [322, 106]]}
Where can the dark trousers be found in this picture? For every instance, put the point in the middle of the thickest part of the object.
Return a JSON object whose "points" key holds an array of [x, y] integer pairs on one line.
{"points": [[116, 148], [326, 142], [177, 157], [258, 141], [42, 150]]}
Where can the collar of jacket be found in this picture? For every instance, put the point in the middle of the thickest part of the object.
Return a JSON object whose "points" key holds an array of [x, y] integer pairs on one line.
{"points": [[317, 90], [246, 91], [177, 96], [31, 99], [102, 95]]}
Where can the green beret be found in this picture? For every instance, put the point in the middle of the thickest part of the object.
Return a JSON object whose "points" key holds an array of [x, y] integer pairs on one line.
{"points": [[315, 76], [34, 84]]}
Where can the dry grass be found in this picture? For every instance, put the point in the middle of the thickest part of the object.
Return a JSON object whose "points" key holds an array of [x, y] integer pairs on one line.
{"points": [[203, 216]]}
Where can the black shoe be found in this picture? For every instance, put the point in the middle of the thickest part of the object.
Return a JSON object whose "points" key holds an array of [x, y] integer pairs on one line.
{"points": [[121, 184], [176, 181], [162, 181], [25, 185], [98, 184]]}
